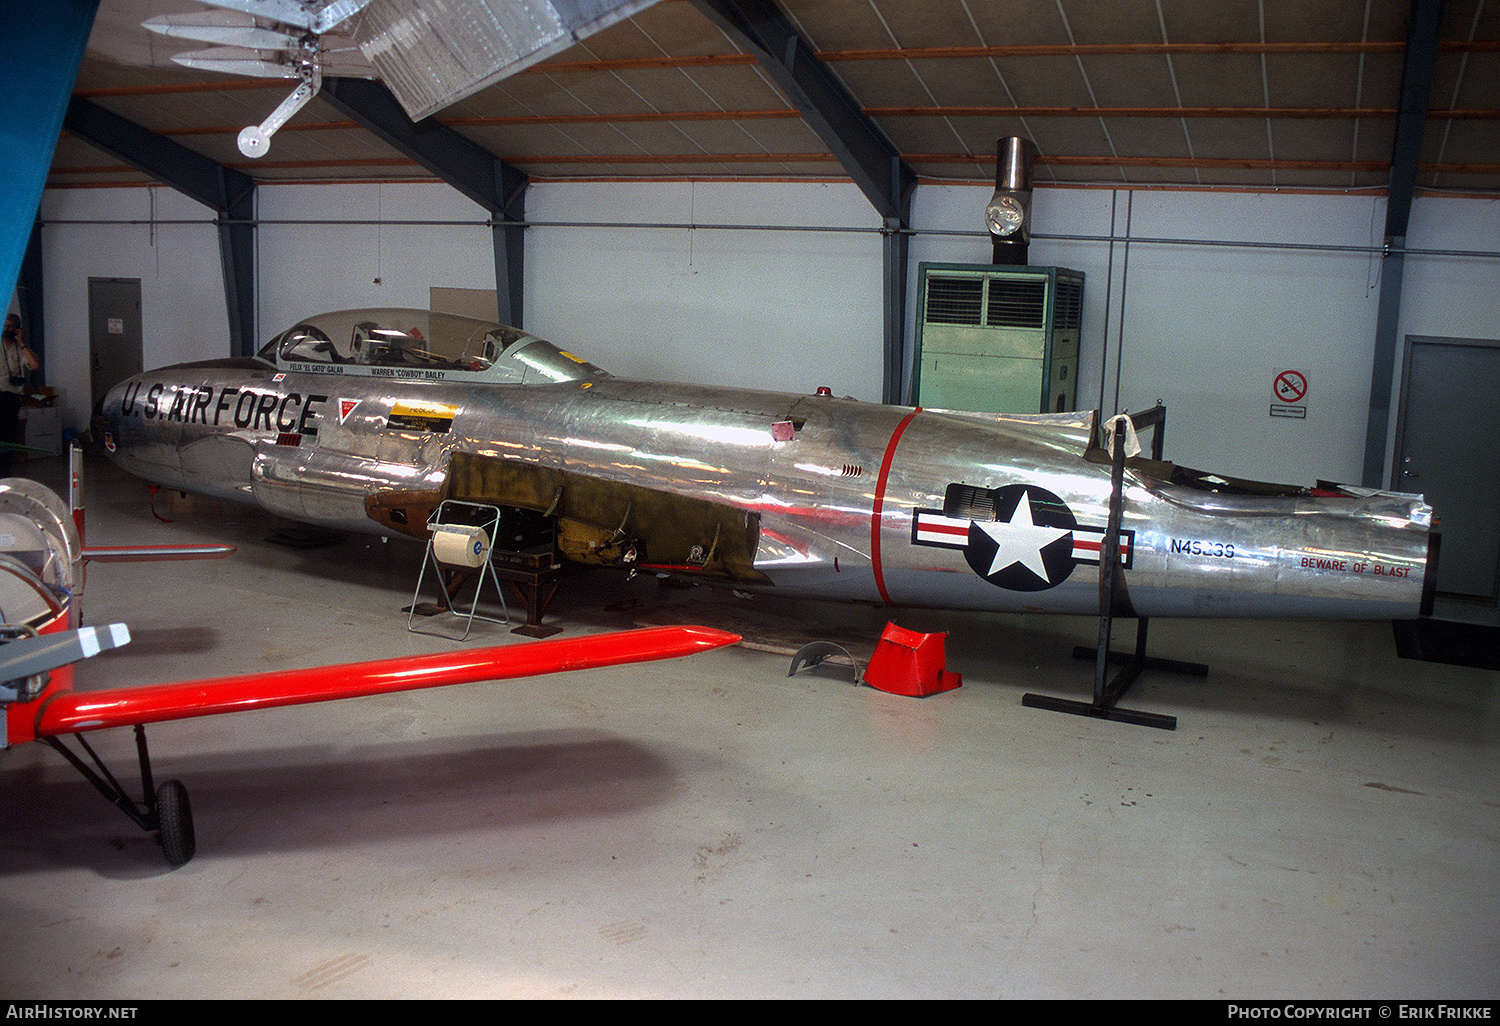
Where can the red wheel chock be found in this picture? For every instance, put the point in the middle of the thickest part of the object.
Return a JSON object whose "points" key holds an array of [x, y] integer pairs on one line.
{"points": [[909, 663]]}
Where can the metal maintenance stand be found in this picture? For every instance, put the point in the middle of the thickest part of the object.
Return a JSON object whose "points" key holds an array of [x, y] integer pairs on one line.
{"points": [[1108, 693], [464, 531], [534, 573]]}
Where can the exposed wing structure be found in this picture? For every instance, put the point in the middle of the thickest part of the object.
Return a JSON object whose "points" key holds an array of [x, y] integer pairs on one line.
{"points": [[599, 522]]}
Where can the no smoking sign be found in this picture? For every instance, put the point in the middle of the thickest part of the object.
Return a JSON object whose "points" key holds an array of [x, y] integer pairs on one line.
{"points": [[1289, 388]]}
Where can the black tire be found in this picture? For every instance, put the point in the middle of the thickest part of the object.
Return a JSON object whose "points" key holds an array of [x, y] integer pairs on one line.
{"points": [[175, 823]]}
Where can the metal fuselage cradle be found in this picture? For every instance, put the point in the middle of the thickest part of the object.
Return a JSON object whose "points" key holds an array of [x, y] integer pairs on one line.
{"points": [[338, 424]]}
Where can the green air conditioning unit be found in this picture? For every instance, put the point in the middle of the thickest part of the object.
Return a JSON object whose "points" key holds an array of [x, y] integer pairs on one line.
{"points": [[997, 338]]}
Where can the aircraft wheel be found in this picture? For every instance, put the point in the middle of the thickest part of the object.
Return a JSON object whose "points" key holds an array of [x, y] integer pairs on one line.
{"points": [[175, 823]]}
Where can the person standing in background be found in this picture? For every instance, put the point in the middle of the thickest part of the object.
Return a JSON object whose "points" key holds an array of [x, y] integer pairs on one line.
{"points": [[19, 361]]}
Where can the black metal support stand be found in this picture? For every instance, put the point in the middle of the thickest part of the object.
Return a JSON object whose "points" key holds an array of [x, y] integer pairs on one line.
{"points": [[1107, 693], [533, 575]]}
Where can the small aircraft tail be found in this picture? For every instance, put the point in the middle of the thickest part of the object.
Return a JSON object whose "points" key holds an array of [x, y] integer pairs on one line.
{"points": [[126, 553]]}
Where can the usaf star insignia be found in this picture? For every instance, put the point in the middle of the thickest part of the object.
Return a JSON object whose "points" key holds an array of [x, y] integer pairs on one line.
{"points": [[1019, 537], [1029, 544]]}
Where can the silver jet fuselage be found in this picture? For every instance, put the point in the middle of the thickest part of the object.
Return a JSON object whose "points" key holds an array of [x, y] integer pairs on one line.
{"points": [[808, 495]]}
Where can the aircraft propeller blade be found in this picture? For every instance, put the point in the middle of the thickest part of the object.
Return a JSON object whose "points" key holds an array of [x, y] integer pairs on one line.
{"points": [[206, 28], [234, 61], [296, 12], [27, 657]]}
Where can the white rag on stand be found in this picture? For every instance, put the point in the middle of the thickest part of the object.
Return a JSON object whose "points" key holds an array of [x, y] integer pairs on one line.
{"points": [[1122, 422]]}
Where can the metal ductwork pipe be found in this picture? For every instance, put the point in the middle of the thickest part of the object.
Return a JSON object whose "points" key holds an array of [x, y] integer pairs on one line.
{"points": [[1009, 210]]}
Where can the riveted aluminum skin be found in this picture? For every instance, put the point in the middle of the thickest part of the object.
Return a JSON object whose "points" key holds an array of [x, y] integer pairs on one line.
{"points": [[847, 500]]}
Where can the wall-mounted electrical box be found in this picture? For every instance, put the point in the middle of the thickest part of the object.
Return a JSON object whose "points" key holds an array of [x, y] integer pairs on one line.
{"points": [[997, 339]]}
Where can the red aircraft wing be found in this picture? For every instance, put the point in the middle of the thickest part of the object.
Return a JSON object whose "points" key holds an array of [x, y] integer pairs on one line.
{"points": [[72, 712]]}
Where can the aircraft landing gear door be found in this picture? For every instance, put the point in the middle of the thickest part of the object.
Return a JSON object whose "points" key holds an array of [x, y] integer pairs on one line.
{"points": [[114, 334], [1445, 449]]}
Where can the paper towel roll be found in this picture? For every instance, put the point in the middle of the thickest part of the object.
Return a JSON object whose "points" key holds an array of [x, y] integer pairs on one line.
{"points": [[459, 545]]}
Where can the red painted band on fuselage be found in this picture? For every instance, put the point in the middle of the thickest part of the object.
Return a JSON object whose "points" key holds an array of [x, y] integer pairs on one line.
{"points": [[879, 507]]}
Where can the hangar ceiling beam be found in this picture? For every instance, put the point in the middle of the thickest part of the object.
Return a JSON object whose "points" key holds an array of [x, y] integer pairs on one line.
{"points": [[1422, 31], [863, 150], [227, 192], [457, 160]]}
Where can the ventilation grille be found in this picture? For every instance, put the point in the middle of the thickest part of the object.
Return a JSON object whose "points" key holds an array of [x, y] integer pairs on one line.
{"points": [[1017, 303], [1004, 301], [954, 300], [1069, 314]]}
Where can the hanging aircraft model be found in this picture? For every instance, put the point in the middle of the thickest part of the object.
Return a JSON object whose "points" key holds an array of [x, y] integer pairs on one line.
{"points": [[429, 55], [288, 39], [370, 419], [41, 584]]}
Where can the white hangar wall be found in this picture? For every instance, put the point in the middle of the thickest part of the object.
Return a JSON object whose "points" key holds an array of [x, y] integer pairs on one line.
{"points": [[782, 310], [1203, 328], [183, 316], [767, 309], [1206, 329], [788, 310], [778, 310], [307, 264]]}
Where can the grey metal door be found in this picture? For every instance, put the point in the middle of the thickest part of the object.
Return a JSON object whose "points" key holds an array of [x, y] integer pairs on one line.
{"points": [[1445, 449], [114, 333]]}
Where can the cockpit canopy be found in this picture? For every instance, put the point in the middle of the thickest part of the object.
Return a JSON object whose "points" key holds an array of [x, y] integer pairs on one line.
{"points": [[422, 344]]}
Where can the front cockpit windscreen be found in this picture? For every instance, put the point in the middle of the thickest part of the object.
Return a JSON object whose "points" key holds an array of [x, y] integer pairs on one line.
{"points": [[420, 343]]}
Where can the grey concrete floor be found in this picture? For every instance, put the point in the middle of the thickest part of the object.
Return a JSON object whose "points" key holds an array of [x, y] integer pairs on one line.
{"points": [[1324, 823]]}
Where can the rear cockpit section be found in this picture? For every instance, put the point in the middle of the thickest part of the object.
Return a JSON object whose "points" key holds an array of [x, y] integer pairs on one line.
{"points": [[419, 344], [1148, 470], [1207, 485], [1218, 495], [1197, 480]]}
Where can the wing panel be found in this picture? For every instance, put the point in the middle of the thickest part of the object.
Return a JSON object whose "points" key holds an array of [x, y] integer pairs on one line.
{"points": [[75, 712]]}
